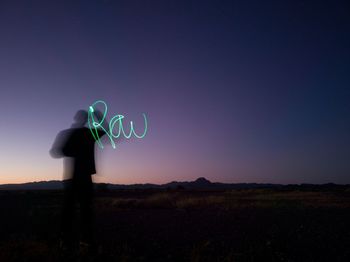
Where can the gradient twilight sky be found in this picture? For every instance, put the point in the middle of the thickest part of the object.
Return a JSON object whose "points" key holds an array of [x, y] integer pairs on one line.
{"points": [[235, 91]]}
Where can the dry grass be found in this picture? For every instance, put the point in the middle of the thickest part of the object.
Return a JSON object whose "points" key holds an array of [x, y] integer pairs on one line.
{"points": [[230, 199]]}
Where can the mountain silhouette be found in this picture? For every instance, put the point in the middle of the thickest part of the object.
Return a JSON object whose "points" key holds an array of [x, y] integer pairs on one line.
{"points": [[199, 183]]}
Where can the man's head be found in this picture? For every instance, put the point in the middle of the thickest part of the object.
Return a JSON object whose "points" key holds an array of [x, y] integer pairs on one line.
{"points": [[81, 117]]}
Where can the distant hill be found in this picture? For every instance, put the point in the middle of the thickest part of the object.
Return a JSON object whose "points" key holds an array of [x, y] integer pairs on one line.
{"points": [[199, 183], [42, 185]]}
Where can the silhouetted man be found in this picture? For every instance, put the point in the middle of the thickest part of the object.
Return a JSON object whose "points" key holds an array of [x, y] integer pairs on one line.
{"points": [[77, 145]]}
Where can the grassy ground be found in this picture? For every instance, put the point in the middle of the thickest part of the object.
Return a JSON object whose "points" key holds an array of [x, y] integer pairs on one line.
{"points": [[154, 225]]}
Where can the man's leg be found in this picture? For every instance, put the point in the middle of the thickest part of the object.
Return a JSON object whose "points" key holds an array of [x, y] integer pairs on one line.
{"points": [[86, 211], [68, 213]]}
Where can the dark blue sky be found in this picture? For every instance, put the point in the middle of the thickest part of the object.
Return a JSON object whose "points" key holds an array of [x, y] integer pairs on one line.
{"points": [[244, 91]]}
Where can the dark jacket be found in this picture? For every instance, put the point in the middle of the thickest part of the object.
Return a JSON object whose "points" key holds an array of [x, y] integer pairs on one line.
{"points": [[79, 144]]}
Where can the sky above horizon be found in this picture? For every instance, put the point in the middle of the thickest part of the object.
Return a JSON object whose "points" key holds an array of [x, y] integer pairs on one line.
{"points": [[234, 91]]}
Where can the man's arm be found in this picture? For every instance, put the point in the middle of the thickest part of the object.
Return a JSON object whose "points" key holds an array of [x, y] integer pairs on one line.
{"points": [[56, 150]]}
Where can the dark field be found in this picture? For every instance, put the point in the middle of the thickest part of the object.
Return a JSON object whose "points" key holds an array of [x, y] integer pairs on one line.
{"points": [[155, 225]]}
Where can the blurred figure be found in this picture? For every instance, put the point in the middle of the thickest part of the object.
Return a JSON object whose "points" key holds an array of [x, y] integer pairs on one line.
{"points": [[77, 146]]}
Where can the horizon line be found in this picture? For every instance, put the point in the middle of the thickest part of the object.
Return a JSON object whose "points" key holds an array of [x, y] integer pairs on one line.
{"points": [[175, 181]]}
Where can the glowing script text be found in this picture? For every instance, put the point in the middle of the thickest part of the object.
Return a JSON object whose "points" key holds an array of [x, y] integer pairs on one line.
{"points": [[117, 119]]}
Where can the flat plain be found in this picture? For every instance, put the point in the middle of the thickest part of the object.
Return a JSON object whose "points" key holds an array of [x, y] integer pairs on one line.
{"points": [[184, 225]]}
